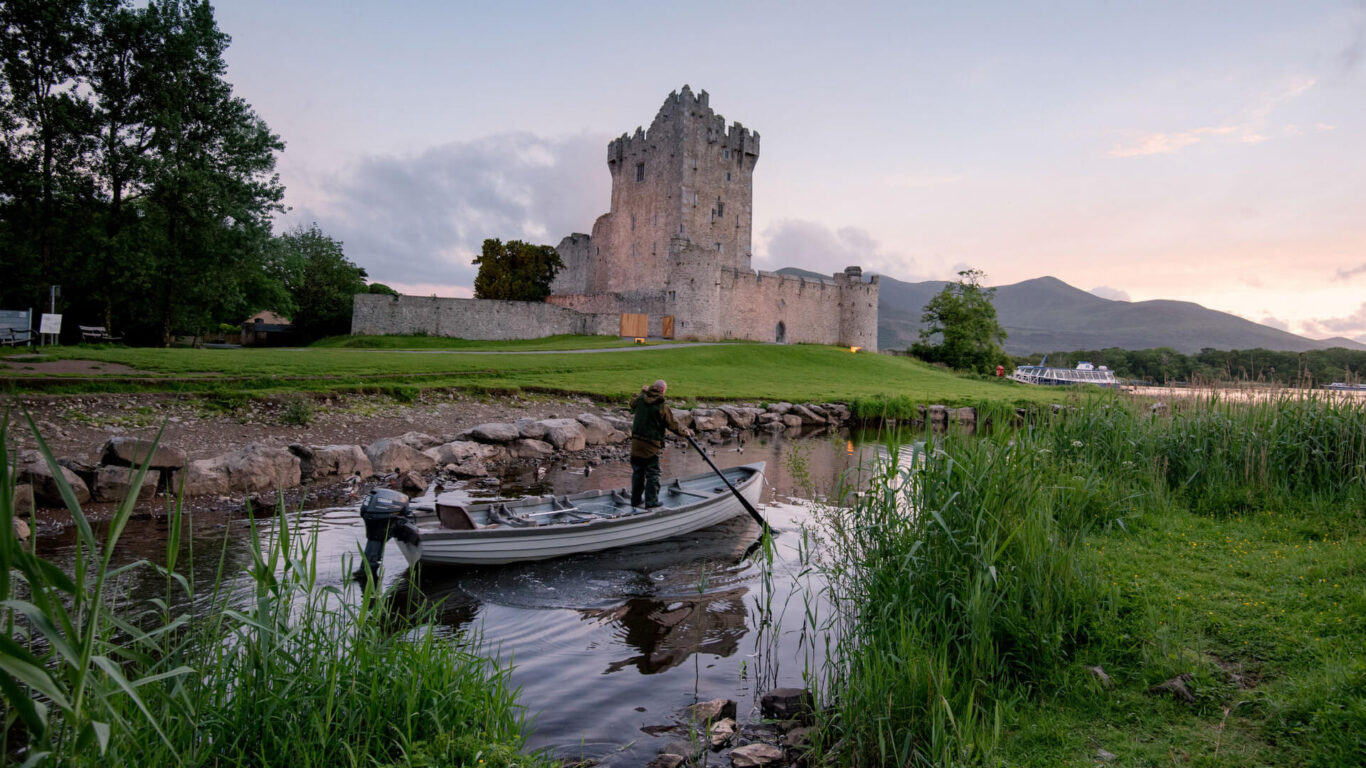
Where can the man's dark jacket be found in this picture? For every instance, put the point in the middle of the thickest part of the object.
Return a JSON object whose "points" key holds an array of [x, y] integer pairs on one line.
{"points": [[652, 417]]}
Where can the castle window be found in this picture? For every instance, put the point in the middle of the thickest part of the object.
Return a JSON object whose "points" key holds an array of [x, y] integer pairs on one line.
{"points": [[727, 175], [640, 171], [671, 295], [720, 209], [727, 154], [718, 247]]}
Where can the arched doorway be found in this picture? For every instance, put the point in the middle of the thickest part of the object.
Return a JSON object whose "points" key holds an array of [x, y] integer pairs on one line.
{"points": [[780, 334]]}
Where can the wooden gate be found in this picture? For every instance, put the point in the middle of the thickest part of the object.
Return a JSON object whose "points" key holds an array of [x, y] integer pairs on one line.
{"points": [[667, 326], [637, 326]]}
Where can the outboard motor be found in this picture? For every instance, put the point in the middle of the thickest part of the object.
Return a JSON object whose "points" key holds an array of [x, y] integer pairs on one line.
{"points": [[387, 516]]}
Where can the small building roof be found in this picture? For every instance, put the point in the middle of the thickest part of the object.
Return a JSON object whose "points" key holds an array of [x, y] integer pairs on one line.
{"points": [[267, 317]]}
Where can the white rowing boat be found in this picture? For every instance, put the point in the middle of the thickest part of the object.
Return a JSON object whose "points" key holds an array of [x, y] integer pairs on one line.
{"points": [[541, 527]]}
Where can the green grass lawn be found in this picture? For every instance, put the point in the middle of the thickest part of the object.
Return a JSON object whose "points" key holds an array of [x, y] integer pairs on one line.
{"points": [[561, 342], [1266, 611], [720, 372]]}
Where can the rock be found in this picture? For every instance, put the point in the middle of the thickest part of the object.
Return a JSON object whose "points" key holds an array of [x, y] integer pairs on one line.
{"points": [[468, 468], [791, 420], [21, 530], [666, 760], [305, 455], [818, 410], [454, 452], [497, 433], [257, 467], [618, 423], [1100, 675], [595, 428], [798, 737], [967, 416], [684, 418], [530, 429], [23, 500], [1177, 688], [779, 408], [756, 756], [770, 418], [340, 460], [1105, 756], [706, 420], [937, 416], [389, 454], [85, 470], [526, 448], [774, 426], [203, 477], [418, 441], [132, 452], [115, 483], [45, 491], [806, 415], [710, 711], [786, 704], [412, 483], [565, 434], [721, 733], [740, 418]]}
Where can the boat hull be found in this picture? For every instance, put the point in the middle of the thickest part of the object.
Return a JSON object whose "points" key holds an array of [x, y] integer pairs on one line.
{"points": [[500, 545]]}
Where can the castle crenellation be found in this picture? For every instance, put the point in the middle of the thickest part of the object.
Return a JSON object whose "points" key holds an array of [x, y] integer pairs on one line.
{"points": [[676, 244]]}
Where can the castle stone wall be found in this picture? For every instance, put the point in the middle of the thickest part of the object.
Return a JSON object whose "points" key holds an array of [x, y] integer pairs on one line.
{"points": [[377, 314]]}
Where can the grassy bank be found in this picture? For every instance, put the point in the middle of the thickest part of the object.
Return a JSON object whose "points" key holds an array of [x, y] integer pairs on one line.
{"points": [[291, 673], [561, 342], [732, 371], [1221, 546]]}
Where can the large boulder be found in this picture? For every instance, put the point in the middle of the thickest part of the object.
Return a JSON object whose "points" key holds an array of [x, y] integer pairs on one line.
{"points": [[35, 472], [596, 429], [531, 449], [530, 428], [786, 704], [565, 434], [389, 454], [115, 483], [684, 418], [756, 755], [454, 452], [779, 408], [419, 441], [133, 451], [618, 423], [23, 500], [805, 414], [340, 460], [257, 467], [496, 433], [204, 477], [740, 418], [707, 420], [791, 420]]}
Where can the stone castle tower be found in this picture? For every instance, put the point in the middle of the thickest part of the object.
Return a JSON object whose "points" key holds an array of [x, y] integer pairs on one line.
{"points": [[688, 177], [676, 242]]}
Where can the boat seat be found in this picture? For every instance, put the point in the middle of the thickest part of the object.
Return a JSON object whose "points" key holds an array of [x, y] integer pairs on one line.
{"points": [[455, 517], [500, 513]]}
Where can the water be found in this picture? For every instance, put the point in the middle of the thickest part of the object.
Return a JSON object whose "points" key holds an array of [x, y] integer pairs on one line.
{"points": [[603, 645]]}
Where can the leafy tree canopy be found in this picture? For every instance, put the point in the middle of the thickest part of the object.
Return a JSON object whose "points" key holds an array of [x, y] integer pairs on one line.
{"points": [[517, 271], [963, 319], [319, 282]]}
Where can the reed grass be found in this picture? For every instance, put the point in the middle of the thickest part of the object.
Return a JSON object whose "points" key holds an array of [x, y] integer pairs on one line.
{"points": [[292, 673], [979, 576]]}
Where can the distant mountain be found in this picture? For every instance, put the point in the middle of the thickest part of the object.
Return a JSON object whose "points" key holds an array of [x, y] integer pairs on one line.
{"points": [[1045, 315]]}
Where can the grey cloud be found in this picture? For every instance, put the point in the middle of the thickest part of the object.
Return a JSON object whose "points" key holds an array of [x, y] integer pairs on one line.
{"points": [[422, 218], [1356, 47], [814, 246], [1346, 274], [1353, 325], [1114, 294]]}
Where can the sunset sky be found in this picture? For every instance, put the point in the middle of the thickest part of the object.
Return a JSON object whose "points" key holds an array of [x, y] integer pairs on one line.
{"points": [[1213, 152]]}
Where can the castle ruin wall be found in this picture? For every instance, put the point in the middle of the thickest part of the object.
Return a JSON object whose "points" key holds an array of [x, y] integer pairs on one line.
{"points": [[484, 319]]}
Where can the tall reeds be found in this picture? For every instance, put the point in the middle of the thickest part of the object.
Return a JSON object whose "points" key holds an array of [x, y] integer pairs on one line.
{"points": [[962, 579], [287, 672]]}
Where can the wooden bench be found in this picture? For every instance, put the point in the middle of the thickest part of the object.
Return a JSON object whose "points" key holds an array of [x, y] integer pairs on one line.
{"points": [[97, 333], [13, 337]]}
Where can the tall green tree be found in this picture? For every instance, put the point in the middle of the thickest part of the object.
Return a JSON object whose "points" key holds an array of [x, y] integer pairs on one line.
{"points": [[963, 319], [517, 271], [320, 283]]}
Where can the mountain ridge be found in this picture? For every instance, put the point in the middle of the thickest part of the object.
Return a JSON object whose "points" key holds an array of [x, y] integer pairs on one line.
{"points": [[1045, 314]]}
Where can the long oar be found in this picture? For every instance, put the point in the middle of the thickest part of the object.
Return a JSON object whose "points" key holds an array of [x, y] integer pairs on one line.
{"points": [[754, 513]]}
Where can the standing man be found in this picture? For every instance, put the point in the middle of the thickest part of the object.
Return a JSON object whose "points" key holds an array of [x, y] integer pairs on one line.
{"points": [[652, 417]]}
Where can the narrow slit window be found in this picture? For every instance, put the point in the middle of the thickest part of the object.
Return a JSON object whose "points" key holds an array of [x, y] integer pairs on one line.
{"points": [[640, 171]]}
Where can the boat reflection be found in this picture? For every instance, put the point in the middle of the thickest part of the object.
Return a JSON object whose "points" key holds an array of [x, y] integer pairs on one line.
{"points": [[667, 632]]}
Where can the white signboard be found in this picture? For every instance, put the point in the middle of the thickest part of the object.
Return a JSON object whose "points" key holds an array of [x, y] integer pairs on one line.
{"points": [[50, 324]]}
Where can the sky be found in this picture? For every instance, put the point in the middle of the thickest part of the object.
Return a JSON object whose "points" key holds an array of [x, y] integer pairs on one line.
{"points": [[1212, 152]]}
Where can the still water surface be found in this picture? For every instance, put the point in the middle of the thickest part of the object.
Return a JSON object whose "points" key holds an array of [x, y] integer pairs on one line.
{"points": [[605, 645]]}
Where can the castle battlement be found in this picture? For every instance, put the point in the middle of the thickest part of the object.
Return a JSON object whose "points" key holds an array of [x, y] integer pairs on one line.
{"points": [[679, 108]]}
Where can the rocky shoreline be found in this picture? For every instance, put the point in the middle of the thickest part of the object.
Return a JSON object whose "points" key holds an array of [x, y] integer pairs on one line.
{"points": [[254, 472]]}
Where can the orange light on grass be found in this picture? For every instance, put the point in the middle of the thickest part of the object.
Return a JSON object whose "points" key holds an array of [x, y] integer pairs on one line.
{"points": [[855, 349]]}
